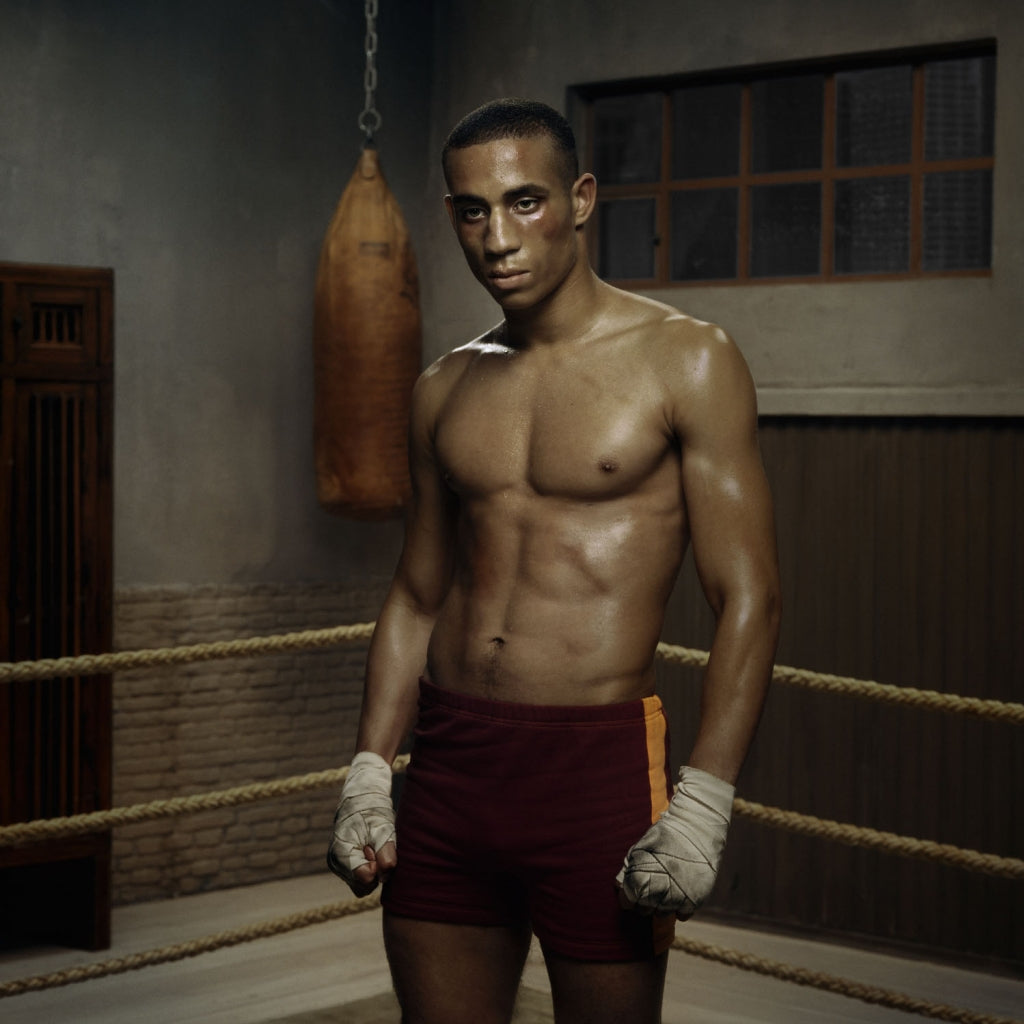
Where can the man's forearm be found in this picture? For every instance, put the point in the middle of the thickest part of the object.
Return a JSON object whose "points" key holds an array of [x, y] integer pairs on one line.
{"points": [[362, 848], [395, 661], [735, 686]]}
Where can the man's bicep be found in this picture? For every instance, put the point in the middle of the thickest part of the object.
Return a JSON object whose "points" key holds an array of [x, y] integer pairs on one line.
{"points": [[732, 527], [424, 569], [728, 500]]}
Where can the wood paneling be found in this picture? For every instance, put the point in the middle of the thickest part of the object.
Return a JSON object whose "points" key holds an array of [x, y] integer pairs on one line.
{"points": [[902, 561], [55, 592]]}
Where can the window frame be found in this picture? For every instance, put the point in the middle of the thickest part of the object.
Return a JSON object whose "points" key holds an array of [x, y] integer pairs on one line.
{"points": [[581, 102]]}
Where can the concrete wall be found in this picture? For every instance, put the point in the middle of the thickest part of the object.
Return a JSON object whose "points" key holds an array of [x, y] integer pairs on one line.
{"points": [[199, 147], [928, 346]]}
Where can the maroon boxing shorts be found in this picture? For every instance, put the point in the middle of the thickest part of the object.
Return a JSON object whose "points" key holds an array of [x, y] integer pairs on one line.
{"points": [[521, 813]]}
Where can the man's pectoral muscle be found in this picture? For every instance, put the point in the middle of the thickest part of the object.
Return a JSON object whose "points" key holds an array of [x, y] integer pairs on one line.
{"points": [[568, 549]]}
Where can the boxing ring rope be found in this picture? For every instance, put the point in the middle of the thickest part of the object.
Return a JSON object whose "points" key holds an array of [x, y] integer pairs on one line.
{"points": [[27, 832], [312, 639], [803, 824]]}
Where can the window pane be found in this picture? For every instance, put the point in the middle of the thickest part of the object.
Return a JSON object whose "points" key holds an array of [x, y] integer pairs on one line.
{"points": [[872, 225], [959, 107], [787, 123], [874, 111], [704, 224], [785, 230], [627, 238], [957, 220], [627, 138], [706, 131]]}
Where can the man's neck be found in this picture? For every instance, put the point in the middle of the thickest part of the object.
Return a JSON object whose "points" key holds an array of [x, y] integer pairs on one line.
{"points": [[568, 314]]}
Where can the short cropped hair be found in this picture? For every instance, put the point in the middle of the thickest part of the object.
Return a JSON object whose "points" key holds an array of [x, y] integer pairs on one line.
{"points": [[512, 118]]}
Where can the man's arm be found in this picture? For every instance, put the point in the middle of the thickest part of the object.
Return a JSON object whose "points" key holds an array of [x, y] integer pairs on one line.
{"points": [[362, 850], [672, 868], [398, 649], [732, 530]]}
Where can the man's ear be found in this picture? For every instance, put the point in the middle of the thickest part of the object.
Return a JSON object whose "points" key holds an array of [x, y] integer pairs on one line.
{"points": [[450, 208], [584, 196]]}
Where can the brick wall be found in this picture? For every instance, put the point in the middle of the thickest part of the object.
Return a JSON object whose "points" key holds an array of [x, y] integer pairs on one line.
{"points": [[193, 728]]}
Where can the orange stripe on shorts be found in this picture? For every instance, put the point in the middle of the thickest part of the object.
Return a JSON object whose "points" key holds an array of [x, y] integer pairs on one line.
{"points": [[654, 723]]}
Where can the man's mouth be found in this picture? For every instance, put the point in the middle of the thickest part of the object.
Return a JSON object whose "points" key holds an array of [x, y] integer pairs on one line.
{"points": [[506, 278]]}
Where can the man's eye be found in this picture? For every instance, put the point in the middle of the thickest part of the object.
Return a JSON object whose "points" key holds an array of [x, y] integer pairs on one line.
{"points": [[472, 213], [527, 205]]}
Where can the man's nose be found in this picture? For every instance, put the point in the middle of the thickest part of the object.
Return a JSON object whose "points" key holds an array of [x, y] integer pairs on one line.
{"points": [[501, 237]]}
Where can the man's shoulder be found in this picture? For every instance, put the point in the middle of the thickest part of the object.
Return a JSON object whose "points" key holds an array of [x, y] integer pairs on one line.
{"points": [[440, 376], [667, 332], [700, 368]]}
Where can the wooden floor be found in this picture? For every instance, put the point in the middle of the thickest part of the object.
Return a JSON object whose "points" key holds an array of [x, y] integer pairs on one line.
{"points": [[341, 964]]}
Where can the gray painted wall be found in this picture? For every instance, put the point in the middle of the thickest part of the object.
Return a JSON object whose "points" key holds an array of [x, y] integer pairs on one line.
{"points": [[929, 346], [199, 147]]}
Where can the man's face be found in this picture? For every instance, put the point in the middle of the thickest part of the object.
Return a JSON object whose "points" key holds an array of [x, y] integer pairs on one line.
{"points": [[515, 217]]}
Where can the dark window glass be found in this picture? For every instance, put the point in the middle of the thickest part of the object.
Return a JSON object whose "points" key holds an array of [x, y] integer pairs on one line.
{"points": [[785, 232], [957, 220], [627, 238], [627, 131], [788, 123], [872, 225], [959, 107], [744, 164], [874, 116], [704, 231], [706, 131]]}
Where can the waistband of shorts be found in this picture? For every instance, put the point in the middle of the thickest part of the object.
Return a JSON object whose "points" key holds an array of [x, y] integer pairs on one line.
{"points": [[511, 711]]}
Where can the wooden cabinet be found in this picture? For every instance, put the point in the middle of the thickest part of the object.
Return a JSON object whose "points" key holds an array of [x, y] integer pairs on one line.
{"points": [[56, 442]]}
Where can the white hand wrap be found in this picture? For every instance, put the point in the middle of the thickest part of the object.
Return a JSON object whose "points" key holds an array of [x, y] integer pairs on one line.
{"points": [[365, 815], [672, 868]]}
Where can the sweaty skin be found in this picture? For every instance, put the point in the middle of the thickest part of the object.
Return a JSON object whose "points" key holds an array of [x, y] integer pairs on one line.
{"points": [[571, 528], [561, 464]]}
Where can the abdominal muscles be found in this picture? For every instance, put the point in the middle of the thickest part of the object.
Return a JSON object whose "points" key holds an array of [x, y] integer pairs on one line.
{"points": [[557, 604]]}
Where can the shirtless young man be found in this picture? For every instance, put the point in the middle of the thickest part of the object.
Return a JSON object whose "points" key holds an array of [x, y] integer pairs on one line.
{"points": [[561, 464]]}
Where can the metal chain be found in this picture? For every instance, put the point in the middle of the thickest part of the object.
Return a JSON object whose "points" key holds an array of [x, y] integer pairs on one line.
{"points": [[370, 119]]}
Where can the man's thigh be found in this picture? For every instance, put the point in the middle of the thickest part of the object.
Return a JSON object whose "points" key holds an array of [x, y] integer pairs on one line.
{"points": [[607, 993], [454, 973]]}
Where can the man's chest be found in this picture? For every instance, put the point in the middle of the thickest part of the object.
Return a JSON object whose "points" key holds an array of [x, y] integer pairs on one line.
{"points": [[581, 437]]}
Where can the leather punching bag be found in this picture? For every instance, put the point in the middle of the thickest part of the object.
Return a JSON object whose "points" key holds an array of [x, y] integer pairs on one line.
{"points": [[367, 340]]}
